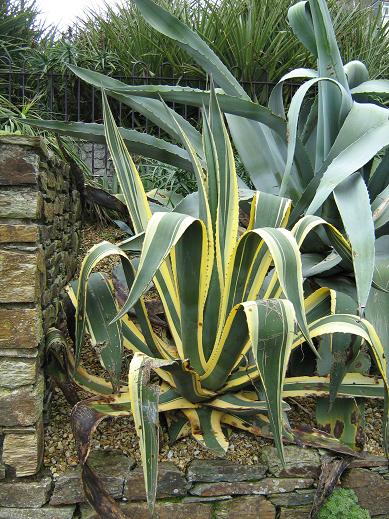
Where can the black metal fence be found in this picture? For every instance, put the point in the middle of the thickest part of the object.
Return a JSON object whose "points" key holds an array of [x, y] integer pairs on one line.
{"points": [[63, 96]]}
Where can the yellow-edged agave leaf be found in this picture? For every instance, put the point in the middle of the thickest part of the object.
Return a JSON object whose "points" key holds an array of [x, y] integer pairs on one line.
{"points": [[133, 338], [239, 403], [351, 324], [127, 174], [229, 350], [94, 256], [189, 238], [81, 377], [178, 426], [320, 303], [106, 338], [170, 399], [300, 231], [269, 211], [206, 428], [271, 326], [222, 184], [186, 381], [144, 405], [139, 209], [353, 384], [284, 252]]}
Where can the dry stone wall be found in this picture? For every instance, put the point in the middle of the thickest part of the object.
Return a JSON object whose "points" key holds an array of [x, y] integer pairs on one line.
{"points": [[207, 489], [40, 215]]}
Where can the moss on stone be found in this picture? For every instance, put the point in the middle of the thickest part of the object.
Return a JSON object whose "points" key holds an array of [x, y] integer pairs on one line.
{"points": [[343, 504]]}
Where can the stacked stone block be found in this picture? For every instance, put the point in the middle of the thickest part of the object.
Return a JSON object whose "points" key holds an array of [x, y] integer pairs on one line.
{"points": [[39, 233], [208, 489]]}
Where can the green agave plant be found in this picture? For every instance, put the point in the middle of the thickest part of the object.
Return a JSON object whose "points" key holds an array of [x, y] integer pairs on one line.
{"points": [[329, 154], [239, 302], [234, 303]]}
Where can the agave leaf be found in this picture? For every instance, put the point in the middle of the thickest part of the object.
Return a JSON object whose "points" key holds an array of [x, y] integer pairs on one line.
{"points": [[239, 403], [247, 111], [374, 87], [94, 256], [353, 384], [271, 328], [362, 118], [378, 302], [178, 427], [300, 19], [152, 109], [283, 250], [359, 227], [140, 212], [356, 73], [131, 185], [331, 108], [206, 429], [106, 338], [222, 185], [351, 324], [84, 421], [276, 103], [269, 211], [136, 142], [170, 400], [162, 227], [144, 405], [293, 117], [349, 161], [185, 381], [344, 420], [379, 179], [263, 162], [328, 55], [380, 208]]}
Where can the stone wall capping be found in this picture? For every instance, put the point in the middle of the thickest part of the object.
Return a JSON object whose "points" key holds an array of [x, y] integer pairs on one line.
{"points": [[24, 140], [209, 471], [47, 512], [113, 467], [265, 486], [171, 483]]}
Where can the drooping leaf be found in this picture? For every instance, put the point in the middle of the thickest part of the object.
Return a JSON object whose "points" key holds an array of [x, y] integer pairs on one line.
{"points": [[344, 420], [144, 405], [136, 142]]}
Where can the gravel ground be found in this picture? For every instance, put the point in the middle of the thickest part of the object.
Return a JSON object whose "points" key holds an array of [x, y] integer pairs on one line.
{"points": [[60, 453]]}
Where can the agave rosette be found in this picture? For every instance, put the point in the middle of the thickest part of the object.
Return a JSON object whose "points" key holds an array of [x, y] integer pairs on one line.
{"points": [[233, 299]]}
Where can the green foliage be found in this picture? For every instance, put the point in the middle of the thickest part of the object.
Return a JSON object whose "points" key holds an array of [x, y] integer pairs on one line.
{"points": [[342, 504], [119, 41], [19, 30], [237, 302]]}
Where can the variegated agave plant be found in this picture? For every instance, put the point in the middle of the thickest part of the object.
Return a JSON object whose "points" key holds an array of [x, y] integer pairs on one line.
{"points": [[233, 299]]}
